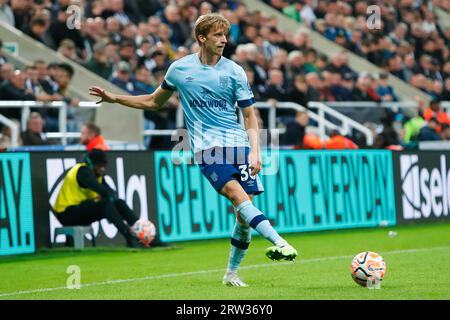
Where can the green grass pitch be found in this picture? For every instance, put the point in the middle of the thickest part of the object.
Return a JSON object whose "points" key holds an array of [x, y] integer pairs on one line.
{"points": [[418, 264]]}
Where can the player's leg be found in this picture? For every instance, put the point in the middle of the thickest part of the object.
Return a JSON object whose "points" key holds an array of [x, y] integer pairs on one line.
{"points": [[258, 221], [125, 212], [90, 211], [240, 240]]}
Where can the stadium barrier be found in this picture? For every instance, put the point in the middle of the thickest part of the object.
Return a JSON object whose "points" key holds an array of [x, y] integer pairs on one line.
{"points": [[63, 110], [305, 191], [128, 172]]}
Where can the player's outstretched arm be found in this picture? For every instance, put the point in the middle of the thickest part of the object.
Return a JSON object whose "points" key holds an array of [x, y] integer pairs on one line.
{"points": [[147, 101]]}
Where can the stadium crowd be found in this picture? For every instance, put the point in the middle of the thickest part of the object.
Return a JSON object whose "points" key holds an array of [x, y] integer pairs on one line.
{"points": [[131, 43]]}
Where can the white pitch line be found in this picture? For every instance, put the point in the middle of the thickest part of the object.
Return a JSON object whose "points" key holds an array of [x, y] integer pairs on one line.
{"points": [[193, 273]]}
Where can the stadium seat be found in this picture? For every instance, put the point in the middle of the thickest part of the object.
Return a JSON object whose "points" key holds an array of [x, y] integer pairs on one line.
{"points": [[77, 233]]}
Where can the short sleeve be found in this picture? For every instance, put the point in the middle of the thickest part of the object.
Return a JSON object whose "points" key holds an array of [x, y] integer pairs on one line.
{"points": [[169, 82], [244, 94]]}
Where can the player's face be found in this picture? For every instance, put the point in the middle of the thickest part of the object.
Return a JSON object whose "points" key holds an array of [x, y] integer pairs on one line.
{"points": [[215, 41]]}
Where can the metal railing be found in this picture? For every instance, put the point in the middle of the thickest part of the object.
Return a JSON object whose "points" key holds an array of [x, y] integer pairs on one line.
{"points": [[26, 106], [272, 115], [272, 125], [347, 123], [15, 130]]}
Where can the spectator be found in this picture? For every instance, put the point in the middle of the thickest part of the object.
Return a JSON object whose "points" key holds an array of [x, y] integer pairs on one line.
{"points": [[22, 13], [361, 90], [339, 142], [60, 31], [68, 50], [313, 82], [6, 73], [446, 91], [15, 89], [434, 111], [298, 92], [37, 29], [172, 18], [91, 137], [384, 90], [295, 130], [63, 79], [275, 86], [34, 135], [34, 85], [122, 77], [99, 63], [445, 132], [430, 131]]}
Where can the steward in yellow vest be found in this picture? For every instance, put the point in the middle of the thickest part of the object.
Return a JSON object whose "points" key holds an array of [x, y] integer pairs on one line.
{"points": [[85, 197]]}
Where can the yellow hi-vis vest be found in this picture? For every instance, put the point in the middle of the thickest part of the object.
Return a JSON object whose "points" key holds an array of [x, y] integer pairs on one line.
{"points": [[71, 194]]}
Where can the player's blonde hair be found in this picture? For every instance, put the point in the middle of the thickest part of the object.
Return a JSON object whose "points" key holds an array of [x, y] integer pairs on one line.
{"points": [[207, 22]]}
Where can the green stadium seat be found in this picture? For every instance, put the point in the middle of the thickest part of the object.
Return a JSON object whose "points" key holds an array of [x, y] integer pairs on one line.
{"points": [[77, 233]]}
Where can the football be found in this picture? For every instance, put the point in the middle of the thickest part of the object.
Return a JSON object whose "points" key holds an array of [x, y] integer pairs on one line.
{"points": [[367, 266], [145, 230]]}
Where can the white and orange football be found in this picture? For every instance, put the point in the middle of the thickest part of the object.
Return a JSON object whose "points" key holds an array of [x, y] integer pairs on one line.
{"points": [[145, 230], [367, 265]]}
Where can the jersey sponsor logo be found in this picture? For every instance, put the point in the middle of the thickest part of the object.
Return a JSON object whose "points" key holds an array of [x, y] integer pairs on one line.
{"points": [[208, 101], [189, 79]]}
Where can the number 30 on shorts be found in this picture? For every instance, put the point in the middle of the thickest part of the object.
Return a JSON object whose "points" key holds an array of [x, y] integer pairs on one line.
{"points": [[245, 172]]}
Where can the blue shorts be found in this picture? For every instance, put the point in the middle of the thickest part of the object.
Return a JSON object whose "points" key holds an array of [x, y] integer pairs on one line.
{"points": [[222, 164]]}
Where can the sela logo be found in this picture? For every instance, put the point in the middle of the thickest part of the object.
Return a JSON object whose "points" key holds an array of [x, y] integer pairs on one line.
{"points": [[125, 188], [425, 192], [189, 79]]}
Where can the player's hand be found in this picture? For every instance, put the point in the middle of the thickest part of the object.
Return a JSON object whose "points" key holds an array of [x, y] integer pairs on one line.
{"points": [[254, 159], [104, 95]]}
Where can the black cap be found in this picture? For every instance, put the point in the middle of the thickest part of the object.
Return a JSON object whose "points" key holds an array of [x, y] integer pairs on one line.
{"points": [[96, 156]]}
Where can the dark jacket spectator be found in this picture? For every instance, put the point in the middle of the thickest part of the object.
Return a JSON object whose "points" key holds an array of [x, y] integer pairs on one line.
{"points": [[295, 130], [98, 63], [429, 132], [15, 89], [34, 135]]}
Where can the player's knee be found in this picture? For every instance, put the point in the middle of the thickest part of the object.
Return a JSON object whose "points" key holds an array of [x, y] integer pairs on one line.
{"points": [[234, 193]]}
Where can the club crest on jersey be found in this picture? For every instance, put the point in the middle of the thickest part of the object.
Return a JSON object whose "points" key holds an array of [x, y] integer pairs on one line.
{"points": [[223, 81], [214, 176]]}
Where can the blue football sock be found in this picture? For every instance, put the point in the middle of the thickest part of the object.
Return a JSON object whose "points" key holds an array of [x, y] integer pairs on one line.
{"points": [[258, 221], [240, 240]]}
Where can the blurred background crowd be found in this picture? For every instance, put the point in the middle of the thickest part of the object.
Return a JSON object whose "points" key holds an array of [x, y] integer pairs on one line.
{"points": [[132, 43]]}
